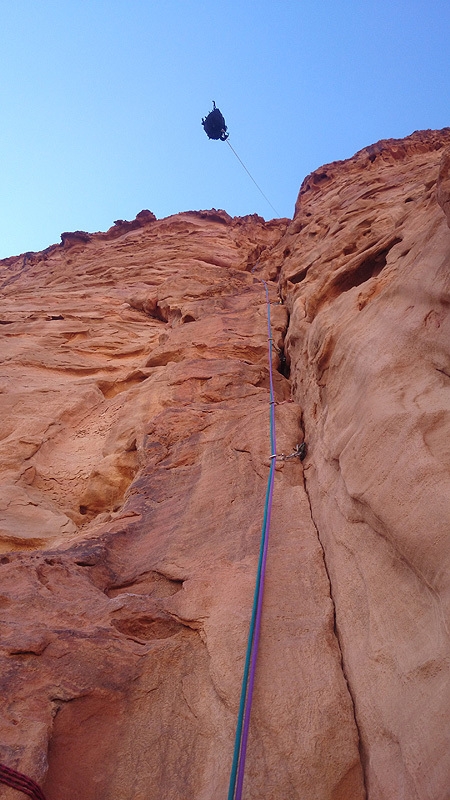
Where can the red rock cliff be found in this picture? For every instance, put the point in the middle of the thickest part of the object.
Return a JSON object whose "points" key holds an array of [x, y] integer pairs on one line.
{"points": [[134, 457]]}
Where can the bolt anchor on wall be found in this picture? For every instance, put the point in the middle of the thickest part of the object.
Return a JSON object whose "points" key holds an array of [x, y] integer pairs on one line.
{"points": [[300, 452]]}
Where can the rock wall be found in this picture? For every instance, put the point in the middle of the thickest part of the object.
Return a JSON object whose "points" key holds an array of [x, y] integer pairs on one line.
{"points": [[367, 282], [134, 459]]}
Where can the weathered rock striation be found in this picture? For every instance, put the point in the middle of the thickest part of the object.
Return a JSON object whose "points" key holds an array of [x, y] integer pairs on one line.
{"points": [[133, 464]]}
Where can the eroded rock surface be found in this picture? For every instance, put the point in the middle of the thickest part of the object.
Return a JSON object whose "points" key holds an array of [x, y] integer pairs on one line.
{"points": [[134, 459], [367, 283]]}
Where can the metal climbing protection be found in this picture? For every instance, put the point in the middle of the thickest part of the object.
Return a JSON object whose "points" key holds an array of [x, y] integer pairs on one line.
{"points": [[248, 680], [16, 780]]}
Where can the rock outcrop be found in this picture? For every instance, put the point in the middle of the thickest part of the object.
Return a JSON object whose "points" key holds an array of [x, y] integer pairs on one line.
{"points": [[134, 458]]}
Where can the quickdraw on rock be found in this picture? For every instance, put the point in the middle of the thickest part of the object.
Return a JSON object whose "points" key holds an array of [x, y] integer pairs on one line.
{"points": [[300, 452]]}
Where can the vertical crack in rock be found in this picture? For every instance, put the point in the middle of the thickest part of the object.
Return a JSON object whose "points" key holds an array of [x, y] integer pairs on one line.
{"points": [[365, 277], [336, 631], [288, 358]]}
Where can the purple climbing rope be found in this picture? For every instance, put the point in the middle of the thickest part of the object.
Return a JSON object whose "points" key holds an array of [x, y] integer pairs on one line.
{"points": [[19, 781]]}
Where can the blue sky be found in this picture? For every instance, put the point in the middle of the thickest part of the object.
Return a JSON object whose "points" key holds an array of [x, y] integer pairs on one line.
{"points": [[102, 100]]}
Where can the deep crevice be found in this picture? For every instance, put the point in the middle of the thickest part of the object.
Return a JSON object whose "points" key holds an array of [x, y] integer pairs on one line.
{"points": [[284, 366]]}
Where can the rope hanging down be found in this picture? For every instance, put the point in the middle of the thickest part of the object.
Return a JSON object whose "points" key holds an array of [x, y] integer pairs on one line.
{"points": [[248, 173], [20, 782], [215, 127], [248, 680]]}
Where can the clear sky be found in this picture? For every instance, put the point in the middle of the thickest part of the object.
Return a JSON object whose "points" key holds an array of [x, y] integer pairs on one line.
{"points": [[102, 100]]}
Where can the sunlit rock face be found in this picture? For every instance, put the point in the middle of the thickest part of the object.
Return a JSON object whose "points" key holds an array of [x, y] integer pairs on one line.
{"points": [[134, 459], [366, 276]]}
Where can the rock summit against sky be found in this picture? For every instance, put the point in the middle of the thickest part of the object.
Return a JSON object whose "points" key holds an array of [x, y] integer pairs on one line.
{"points": [[134, 458]]}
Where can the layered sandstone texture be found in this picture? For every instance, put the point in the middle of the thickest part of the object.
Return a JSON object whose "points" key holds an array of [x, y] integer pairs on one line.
{"points": [[134, 457]]}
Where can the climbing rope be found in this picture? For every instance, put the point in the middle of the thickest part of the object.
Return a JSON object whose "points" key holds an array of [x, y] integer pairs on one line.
{"points": [[251, 176], [248, 680], [20, 782]]}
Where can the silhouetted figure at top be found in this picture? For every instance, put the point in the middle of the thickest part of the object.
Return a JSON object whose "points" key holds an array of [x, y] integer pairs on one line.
{"points": [[214, 125]]}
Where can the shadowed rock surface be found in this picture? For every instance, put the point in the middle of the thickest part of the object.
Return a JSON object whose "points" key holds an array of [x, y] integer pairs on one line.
{"points": [[134, 458]]}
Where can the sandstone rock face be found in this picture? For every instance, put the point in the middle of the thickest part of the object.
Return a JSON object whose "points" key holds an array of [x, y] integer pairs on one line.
{"points": [[134, 459], [367, 283]]}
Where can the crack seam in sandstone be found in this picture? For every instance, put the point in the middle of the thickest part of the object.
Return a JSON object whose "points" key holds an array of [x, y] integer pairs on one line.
{"points": [[336, 633]]}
